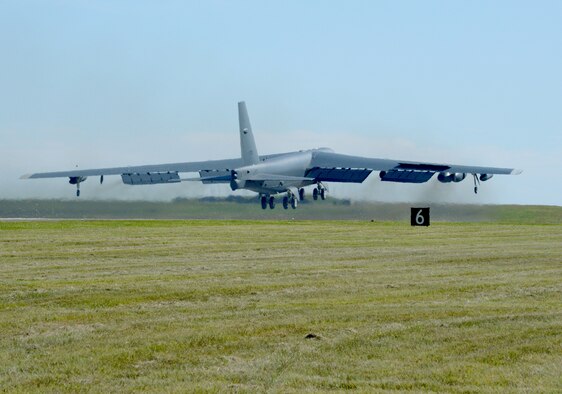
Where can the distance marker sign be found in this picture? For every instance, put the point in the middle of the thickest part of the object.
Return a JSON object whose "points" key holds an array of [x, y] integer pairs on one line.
{"points": [[419, 217]]}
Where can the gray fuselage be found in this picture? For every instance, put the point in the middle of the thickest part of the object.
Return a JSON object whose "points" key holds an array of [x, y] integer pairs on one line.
{"points": [[292, 166]]}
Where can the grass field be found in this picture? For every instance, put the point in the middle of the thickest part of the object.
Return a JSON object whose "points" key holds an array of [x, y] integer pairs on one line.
{"points": [[166, 306]]}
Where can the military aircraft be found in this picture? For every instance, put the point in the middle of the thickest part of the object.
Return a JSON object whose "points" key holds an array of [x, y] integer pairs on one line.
{"points": [[286, 174]]}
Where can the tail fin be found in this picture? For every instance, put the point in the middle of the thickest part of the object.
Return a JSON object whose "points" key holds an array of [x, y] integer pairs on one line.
{"points": [[247, 143]]}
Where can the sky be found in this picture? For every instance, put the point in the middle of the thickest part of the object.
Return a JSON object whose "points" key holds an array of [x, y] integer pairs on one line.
{"points": [[109, 83]]}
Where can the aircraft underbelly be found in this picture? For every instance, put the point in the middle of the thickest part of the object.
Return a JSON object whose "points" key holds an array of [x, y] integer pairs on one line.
{"points": [[274, 187], [293, 165]]}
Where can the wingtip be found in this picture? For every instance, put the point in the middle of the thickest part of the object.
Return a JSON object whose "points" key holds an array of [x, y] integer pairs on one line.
{"points": [[26, 176], [516, 172]]}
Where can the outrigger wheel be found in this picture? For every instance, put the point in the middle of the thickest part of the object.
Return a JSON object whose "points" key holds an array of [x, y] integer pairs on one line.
{"points": [[476, 183]]}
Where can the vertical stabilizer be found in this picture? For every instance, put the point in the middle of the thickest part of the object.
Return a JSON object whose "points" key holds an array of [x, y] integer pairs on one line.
{"points": [[247, 143]]}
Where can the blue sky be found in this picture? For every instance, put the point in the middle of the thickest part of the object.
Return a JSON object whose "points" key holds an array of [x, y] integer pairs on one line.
{"points": [[105, 83]]}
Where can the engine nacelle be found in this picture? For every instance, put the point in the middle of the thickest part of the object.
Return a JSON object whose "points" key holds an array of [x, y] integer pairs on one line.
{"points": [[485, 177], [459, 176], [236, 183], [74, 180], [446, 177]]}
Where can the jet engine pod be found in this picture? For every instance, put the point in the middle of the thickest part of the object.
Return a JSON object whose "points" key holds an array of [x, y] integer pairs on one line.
{"points": [[236, 183], [446, 177], [74, 180], [485, 177], [458, 176]]}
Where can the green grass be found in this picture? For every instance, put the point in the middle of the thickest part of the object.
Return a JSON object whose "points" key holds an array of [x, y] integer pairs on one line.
{"points": [[166, 306]]}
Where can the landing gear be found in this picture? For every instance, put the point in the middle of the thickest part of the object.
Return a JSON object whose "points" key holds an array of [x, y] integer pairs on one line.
{"points": [[76, 180], [476, 183], [290, 199], [320, 190], [301, 194], [294, 202]]}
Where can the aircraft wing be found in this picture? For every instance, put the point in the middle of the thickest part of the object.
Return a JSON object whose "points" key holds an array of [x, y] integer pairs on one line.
{"points": [[144, 169], [335, 167]]}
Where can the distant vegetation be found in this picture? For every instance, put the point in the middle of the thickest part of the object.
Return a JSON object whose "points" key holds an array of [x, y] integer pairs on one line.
{"points": [[235, 207]]}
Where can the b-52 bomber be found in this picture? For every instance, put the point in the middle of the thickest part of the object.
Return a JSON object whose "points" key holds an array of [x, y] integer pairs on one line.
{"points": [[285, 174]]}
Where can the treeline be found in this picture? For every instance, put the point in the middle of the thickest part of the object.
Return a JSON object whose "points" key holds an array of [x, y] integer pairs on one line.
{"points": [[243, 208]]}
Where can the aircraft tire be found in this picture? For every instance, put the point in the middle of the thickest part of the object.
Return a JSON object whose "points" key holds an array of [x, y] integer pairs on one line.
{"points": [[271, 202], [263, 202], [315, 194], [301, 194], [294, 202], [323, 194], [286, 202]]}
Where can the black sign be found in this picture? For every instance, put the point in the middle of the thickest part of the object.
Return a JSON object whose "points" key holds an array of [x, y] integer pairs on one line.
{"points": [[419, 217]]}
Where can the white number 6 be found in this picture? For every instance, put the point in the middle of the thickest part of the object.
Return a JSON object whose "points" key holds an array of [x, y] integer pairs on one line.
{"points": [[419, 218]]}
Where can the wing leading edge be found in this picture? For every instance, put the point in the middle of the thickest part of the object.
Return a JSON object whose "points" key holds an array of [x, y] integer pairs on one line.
{"points": [[394, 170], [171, 167]]}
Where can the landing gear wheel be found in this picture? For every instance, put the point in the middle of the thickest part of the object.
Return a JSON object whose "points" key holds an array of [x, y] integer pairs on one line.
{"points": [[294, 202], [77, 192], [285, 202], [271, 202], [476, 183], [323, 194], [301, 194], [263, 202], [315, 194]]}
